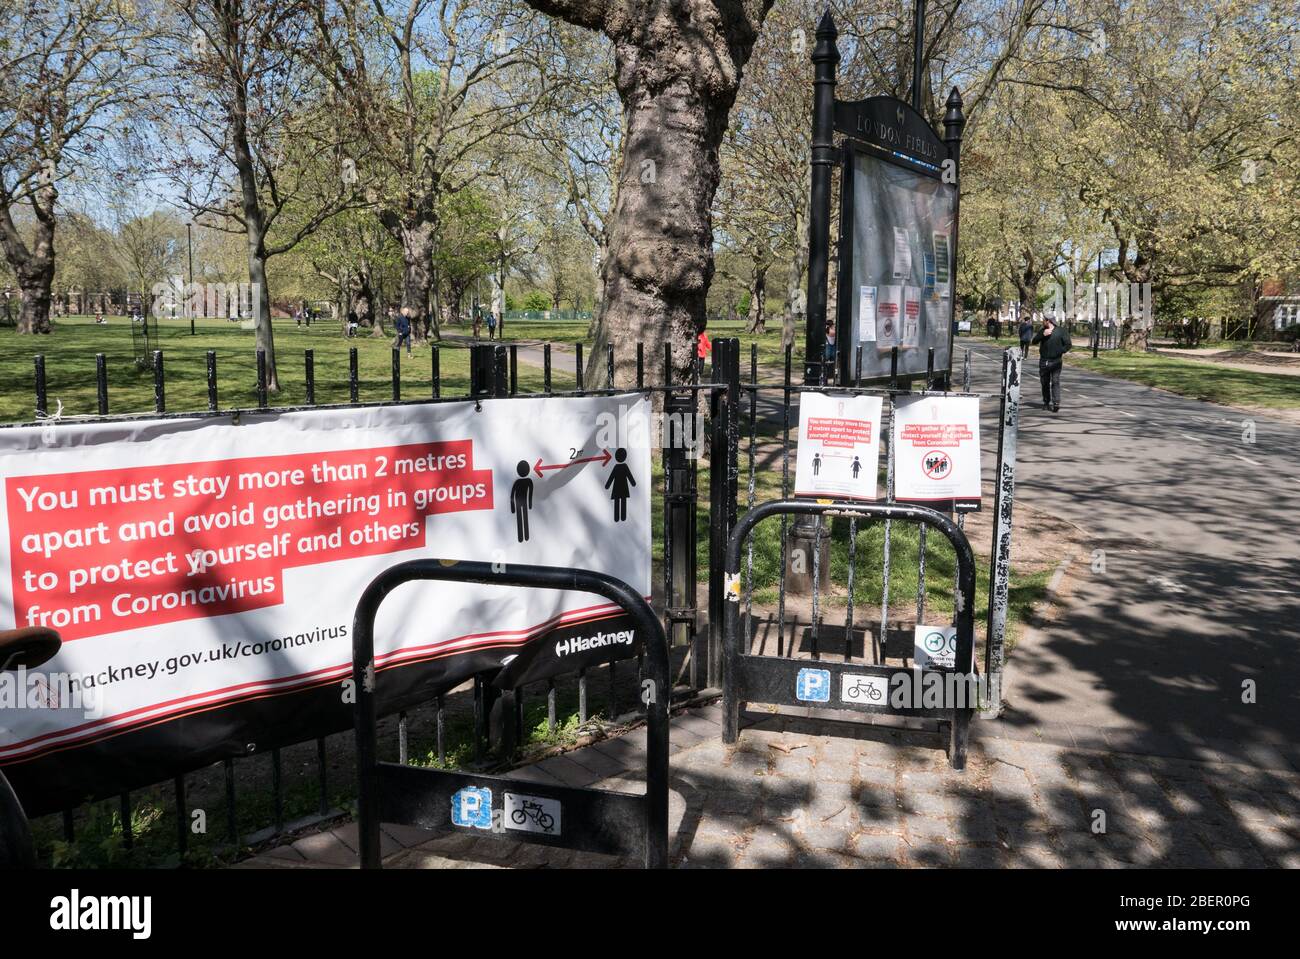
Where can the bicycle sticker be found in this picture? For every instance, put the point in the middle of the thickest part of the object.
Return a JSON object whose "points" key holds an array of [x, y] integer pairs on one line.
{"points": [[532, 814], [858, 689]]}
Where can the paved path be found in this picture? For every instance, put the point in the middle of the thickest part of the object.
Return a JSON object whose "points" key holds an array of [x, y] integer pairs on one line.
{"points": [[1193, 508], [884, 796]]}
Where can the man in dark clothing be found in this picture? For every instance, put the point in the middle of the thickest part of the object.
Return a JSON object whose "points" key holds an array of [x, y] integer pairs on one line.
{"points": [[1026, 335], [1054, 344], [404, 330]]}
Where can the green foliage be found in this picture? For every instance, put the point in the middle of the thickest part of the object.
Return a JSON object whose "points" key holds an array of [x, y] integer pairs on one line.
{"points": [[536, 300]]}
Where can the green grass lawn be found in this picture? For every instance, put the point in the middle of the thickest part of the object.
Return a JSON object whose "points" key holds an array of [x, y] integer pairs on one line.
{"points": [[70, 364], [1197, 379]]}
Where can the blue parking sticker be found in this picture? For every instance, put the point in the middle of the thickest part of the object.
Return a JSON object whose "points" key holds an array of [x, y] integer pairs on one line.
{"points": [[472, 807], [813, 686]]}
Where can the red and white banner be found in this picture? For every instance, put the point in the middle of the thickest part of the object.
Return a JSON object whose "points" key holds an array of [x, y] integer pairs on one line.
{"points": [[190, 564]]}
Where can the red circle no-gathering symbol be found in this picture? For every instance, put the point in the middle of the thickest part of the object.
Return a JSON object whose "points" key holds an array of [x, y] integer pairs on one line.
{"points": [[937, 464]]}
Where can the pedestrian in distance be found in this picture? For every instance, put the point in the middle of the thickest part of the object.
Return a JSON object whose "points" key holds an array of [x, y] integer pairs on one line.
{"points": [[1026, 336], [830, 348], [1053, 343], [492, 325], [403, 326]]}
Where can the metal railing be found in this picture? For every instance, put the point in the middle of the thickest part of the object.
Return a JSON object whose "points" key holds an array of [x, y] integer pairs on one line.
{"points": [[585, 819]]}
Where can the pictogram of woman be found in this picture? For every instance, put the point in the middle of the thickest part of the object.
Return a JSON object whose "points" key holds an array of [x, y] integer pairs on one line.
{"points": [[619, 477]]}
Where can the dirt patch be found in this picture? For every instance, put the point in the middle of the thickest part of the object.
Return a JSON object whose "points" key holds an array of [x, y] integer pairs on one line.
{"points": [[1253, 361]]}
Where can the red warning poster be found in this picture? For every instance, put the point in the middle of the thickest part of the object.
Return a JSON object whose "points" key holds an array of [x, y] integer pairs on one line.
{"points": [[937, 451], [197, 565]]}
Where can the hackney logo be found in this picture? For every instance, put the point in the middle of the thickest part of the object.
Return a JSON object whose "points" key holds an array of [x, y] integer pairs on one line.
{"points": [[580, 644]]}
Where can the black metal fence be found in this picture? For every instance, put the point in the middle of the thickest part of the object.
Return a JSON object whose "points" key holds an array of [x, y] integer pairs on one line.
{"points": [[494, 377], [749, 413]]}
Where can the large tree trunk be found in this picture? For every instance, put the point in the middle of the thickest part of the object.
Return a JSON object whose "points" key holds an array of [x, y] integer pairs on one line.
{"points": [[261, 304], [33, 266], [361, 300], [678, 66], [417, 273], [796, 302], [34, 312], [255, 227], [661, 245]]}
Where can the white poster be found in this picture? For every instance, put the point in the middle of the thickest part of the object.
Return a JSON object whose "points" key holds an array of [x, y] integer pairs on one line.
{"points": [[902, 254], [867, 314], [888, 316], [910, 337], [839, 446], [936, 316], [192, 563], [937, 451]]}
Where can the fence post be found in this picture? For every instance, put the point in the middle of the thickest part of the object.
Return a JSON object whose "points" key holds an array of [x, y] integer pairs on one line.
{"points": [[159, 389], [261, 380], [724, 473], [101, 385], [482, 358], [682, 436], [1000, 560], [212, 380]]}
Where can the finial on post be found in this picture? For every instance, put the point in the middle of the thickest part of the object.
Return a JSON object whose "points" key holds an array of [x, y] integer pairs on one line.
{"points": [[825, 49], [954, 121]]}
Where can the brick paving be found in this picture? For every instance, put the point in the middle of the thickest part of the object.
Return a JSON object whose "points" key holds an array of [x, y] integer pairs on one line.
{"points": [[883, 796]]}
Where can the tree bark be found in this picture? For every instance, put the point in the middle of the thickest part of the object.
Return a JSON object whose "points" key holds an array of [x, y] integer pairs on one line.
{"points": [[33, 265], [757, 299], [255, 231], [678, 65], [416, 236], [796, 305]]}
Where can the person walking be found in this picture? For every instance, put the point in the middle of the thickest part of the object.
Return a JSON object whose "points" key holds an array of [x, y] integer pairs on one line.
{"points": [[1026, 336], [829, 367], [1053, 343], [403, 325], [492, 325]]}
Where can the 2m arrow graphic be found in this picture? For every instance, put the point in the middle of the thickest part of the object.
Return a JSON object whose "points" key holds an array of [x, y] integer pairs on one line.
{"points": [[603, 459]]}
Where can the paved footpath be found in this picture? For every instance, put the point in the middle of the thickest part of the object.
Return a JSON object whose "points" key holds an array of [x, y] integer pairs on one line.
{"points": [[1180, 633], [883, 796], [1129, 738]]}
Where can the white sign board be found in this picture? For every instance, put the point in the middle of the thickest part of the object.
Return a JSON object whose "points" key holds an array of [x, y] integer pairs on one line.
{"points": [[839, 446], [937, 451], [195, 563]]}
